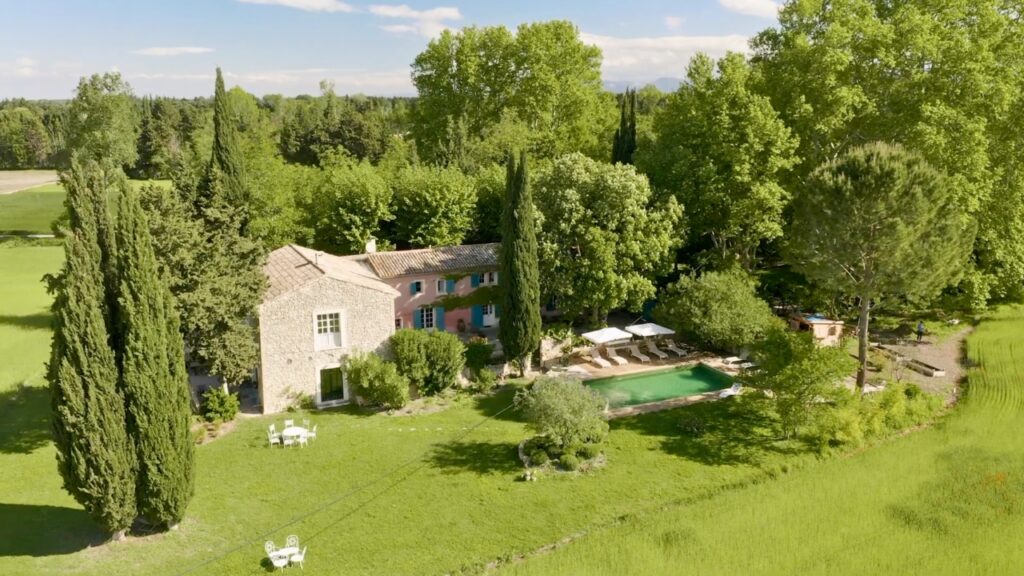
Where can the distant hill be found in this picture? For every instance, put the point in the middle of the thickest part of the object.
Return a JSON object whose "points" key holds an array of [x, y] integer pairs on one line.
{"points": [[663, 84]]}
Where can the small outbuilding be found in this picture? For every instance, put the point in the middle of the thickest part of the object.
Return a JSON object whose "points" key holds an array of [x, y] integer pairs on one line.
{"points": [[826, 332]]}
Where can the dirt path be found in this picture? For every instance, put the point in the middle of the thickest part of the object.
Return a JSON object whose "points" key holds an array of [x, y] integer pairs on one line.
{"points": [[946, 354], [16, 180]]}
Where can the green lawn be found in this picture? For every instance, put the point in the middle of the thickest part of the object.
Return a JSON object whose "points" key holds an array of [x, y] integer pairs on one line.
{"points": [[35, 209], [439, 493], [455, 503], [948, 500]]}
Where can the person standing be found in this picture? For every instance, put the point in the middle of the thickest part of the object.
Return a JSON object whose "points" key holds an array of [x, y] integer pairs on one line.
{"points": [[920, 331]]}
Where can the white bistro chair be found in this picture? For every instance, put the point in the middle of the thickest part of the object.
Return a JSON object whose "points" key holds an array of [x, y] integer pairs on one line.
{"points": [[299, 558]]}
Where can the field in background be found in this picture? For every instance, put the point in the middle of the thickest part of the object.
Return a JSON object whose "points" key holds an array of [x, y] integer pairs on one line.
{"points": [[947, 500], [14, 180], [33, 211]]}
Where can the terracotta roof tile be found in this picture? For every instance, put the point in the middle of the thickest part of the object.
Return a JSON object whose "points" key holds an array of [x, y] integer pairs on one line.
{"points": [[292, 267], [442, 260]]}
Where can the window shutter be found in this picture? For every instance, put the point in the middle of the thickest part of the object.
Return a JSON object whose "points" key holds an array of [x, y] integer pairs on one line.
{"points": [[439, 318], [474, 280], [497, 311], [451, 286], [477, 316], [412, 289], [417, 319]]}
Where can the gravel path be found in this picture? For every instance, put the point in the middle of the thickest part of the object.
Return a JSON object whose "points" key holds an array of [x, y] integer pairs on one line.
{"points": [[946, 354]]}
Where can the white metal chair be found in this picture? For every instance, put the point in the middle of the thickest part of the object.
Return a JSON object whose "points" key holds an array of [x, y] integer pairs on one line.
{"points": [[312, 433], [613, 354], [299, 557], [289, 423], [291, 541], [269, 547], [273, 438], [643, 358], [279, 561], [653, 349], [305, 423], [302, 439], [288, 441]]}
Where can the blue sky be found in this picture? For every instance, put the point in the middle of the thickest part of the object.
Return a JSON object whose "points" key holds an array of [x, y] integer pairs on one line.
{"points": [[287, 46]]}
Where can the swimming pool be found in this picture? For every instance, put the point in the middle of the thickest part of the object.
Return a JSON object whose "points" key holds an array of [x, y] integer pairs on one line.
{"points": [[659, 385]]}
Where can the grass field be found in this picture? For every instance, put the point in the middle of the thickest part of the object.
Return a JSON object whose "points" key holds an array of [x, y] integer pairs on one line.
{"points": [[947, 500], [452, 499], [33, 211], [439, 493]]}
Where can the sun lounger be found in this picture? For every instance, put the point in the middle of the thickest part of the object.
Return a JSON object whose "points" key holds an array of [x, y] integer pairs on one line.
{"points": [[733, 360], [733, 390], [653, 349], [671, 347], [636, 353], [614, 356], [600, 362], [747, 366]]}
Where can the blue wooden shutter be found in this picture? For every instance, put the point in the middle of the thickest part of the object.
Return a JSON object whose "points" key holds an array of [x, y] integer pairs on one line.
{"points": [[439, 318], [477, 315], [497, 311], [412, 289], [417, 319], [451, 286], [474, 280]]}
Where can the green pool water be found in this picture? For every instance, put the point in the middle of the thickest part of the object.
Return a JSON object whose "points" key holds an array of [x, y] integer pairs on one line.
{"points": [[660, 385]]}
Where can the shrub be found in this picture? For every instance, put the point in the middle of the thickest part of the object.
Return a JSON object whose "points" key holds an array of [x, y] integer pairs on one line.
{"points": [[478, 354], [569, 462], [485, 381], [720, 310], [589, 451], [219, 406], [377, 381], [538, 457], [565, 411], [445, 359], [408, 347], [692, 425]]}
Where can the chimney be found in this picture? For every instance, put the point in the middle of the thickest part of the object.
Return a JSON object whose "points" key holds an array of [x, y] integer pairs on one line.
{"points": [[371, 245]]}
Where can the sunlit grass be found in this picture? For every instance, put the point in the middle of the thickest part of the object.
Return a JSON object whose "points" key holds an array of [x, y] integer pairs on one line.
{"points": [[34, 210], [948, 500]]}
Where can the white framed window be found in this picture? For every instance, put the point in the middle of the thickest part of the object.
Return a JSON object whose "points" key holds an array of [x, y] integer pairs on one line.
{"points": [[442, 286], [489, 279], [327, 327], [331, 385], [426, 316]]}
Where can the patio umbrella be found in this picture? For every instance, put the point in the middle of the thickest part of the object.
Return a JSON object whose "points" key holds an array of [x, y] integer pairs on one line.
{"points": [[607, 336], [650, 329]]}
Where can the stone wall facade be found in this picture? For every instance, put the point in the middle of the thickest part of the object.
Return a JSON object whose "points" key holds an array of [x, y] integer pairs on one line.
{"points": [[290, 362]]}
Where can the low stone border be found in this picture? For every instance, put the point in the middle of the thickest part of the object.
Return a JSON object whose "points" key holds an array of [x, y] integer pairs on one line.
{"points": [[649, 407]]}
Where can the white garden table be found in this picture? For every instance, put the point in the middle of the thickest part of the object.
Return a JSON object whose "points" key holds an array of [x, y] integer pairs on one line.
{"points": [[294, 432], [285, 552]]}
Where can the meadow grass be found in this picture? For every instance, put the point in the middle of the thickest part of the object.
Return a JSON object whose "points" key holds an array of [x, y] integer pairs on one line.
{"points": [[440, 493], [34, 210], [376, 494], [946, 500]]}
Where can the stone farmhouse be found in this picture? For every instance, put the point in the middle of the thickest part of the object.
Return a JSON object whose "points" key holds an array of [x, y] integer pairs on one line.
{"points": [[320, 308]]}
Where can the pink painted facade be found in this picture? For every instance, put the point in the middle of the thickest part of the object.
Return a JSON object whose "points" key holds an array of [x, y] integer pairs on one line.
{"points": [[419, 291]]}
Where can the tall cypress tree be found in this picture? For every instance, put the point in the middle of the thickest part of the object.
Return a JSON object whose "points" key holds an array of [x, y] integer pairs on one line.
{"points": [[152, 373], [624, 142], [227, 163], [95, 455], [519, 329]]}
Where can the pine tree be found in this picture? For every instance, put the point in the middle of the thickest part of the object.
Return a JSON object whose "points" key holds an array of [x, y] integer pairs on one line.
{"points": [[519, 329], [95, 455], [152, 372]]}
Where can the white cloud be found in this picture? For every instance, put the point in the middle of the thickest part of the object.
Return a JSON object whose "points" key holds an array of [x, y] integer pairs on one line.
{"points": [[427, 23], [673, 22], [649, 58], [25, 67], [307, 5], [761, 8], [172, 50]]}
